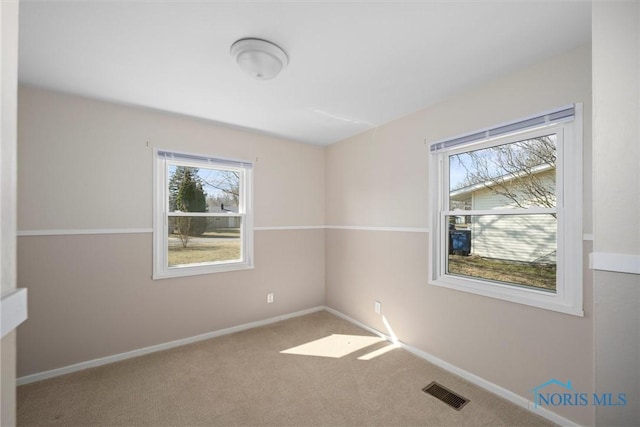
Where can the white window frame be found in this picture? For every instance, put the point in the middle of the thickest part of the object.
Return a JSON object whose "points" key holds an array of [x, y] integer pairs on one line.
{"points": [[162, 160], [568, 297]]}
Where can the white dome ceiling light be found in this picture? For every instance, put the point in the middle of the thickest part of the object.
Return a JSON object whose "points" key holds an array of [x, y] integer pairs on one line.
{"points": [[260, 59]]}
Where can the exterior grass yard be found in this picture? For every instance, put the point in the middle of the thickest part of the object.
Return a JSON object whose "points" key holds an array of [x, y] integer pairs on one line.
{"points": [[541, 276], [222, 245]]}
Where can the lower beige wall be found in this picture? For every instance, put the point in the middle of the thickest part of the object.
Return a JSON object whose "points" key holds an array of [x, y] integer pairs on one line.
{"points": [[513, 346], [92, 296], [8, 376], [617, 357]]}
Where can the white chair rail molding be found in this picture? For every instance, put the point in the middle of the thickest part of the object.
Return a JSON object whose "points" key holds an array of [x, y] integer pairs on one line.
{"points": [[13, 309]]}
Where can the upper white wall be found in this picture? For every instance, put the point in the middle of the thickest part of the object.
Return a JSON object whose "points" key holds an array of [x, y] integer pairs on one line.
{"points": [[88, 164], [379, 178]]}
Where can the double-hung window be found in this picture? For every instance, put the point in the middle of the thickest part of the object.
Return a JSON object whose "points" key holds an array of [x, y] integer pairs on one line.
{"points": [[507, 211], [202, 215]]}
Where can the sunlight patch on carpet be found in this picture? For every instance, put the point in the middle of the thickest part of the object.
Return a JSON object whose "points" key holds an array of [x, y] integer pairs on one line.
{"points": [[379, 352], [334, 346]]}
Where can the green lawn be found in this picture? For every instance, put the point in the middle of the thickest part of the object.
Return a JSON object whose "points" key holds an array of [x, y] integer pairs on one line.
{"points": [[535, 275], [224, 232], [221, 245]]}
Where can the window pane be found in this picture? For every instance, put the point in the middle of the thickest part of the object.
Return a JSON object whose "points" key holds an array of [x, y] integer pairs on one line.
{"points": [[203, 189], [513, 249], [516, 175], [196, 240]]}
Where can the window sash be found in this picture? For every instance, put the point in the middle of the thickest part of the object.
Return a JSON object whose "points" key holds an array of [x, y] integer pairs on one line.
{"points": [[210, 264], [444, 195], [208, 214], [444, 175], [211, 163], [506, 211]]}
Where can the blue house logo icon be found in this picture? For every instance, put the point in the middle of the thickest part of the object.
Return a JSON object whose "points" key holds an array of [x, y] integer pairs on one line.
{"points": [[537, 391]]}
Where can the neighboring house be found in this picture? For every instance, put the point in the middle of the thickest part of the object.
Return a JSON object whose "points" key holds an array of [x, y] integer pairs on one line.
{"points": [[216, 223], [525, 238]]}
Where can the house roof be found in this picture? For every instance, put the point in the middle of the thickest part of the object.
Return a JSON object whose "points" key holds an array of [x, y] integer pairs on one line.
{"points": [[464, 193]]}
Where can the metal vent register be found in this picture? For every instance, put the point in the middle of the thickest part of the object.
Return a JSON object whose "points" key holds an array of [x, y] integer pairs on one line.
{"points": [[447, 396]]}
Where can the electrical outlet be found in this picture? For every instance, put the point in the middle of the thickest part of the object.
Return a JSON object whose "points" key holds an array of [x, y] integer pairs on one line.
{"points": [[269, 297], [377, 307]]}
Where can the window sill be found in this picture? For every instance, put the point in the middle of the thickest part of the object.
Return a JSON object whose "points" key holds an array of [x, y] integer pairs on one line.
{"points": [[199, 270], [530, 297]]}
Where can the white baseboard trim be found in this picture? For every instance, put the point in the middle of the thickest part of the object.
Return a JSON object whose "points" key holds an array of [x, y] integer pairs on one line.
{"points": [[472, 378], [159, 347]]}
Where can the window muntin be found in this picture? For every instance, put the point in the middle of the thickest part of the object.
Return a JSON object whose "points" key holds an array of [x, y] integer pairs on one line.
{"points": [[203, 215], [524, 214]]}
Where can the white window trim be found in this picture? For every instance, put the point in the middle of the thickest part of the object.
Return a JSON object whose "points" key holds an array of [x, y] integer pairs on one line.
{"points": [[569, 293], [161, 207]]}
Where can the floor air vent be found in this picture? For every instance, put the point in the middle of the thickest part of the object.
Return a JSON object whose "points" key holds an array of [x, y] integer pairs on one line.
{"points": [[447, 396]]}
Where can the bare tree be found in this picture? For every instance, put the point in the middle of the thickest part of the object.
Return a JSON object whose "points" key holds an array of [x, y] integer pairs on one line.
{"points": [[226, 181], [514, 171]]}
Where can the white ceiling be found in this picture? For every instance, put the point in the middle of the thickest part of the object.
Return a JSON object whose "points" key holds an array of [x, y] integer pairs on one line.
{"points": [[352, 65]]}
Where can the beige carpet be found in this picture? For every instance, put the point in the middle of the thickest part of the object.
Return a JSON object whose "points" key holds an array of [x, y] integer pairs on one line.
{"points": [[244, 379]]}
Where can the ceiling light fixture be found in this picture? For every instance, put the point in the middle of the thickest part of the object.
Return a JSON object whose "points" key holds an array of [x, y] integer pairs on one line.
{"points": [[260, 59]]}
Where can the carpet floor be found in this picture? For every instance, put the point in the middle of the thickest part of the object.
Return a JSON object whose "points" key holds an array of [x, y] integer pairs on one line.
{"points": [[313, 370]]}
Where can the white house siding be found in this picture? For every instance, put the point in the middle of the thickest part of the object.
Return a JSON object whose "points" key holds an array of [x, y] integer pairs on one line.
{"points": [[218, 222], [525, 238]]}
